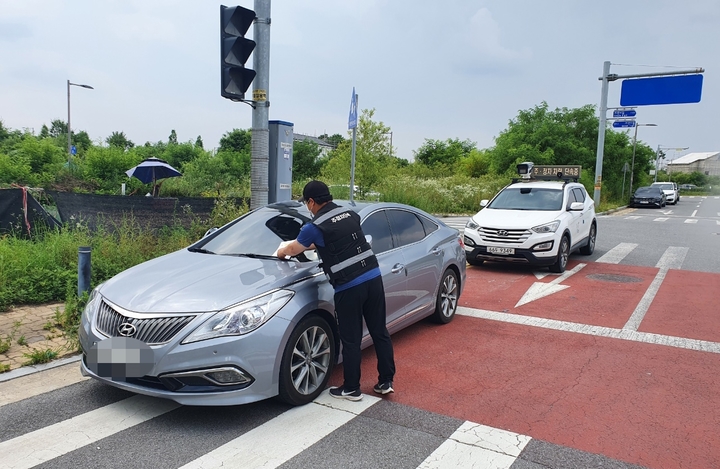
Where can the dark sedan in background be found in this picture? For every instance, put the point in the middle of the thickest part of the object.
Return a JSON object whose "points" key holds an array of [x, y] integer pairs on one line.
{"points": [[226, 322], [648, 196]]}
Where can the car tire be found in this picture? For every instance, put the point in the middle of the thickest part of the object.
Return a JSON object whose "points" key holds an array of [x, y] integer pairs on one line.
{"points": [[562, 256], [307, 361], [589, 248], [447, 298], [475, 262]]}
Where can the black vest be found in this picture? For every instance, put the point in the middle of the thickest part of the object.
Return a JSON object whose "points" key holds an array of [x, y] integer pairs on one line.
{"points": [[346, 254]]}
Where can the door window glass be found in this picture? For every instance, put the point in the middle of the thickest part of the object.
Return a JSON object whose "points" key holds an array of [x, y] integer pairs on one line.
{"points": [[406, 227], [377, 226]]}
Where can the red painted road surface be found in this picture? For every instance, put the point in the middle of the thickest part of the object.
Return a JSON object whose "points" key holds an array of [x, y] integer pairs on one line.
{"points": [[652, 405]]}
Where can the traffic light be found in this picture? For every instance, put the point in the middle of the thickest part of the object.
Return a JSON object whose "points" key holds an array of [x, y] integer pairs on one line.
{"points": [[235, 49]]}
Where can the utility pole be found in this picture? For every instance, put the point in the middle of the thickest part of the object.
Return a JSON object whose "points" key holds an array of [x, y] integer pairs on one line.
{"points": [[260, 140]]}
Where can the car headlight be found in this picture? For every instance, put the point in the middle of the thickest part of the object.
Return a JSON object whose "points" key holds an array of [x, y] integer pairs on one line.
{"points": [[472, 225], [241, 318], [547, 227], [91, 306]]}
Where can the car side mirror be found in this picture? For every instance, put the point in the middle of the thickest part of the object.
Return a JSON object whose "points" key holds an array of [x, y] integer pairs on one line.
{"points": [[368, 238], [576, 206], [483, 203]]}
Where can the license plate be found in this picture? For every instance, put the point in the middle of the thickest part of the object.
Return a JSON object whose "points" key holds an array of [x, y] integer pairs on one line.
{"points": [[503, 251], [644, 202]]}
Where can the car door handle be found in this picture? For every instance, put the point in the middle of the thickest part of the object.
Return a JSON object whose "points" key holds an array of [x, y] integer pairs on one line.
{"points": [[436, 251], [397, 268]]}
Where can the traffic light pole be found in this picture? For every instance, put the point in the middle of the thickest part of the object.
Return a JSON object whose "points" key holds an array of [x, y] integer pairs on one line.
{"points": [[260, 141]]}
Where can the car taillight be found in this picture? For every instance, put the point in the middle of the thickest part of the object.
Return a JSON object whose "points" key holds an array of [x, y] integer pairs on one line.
{"points": [[462, 243]]}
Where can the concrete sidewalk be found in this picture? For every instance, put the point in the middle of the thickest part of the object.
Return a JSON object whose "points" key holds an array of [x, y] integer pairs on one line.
{"points": [[30, 329]]}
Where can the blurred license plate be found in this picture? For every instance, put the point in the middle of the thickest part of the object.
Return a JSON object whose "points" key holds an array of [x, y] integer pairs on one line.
{"points": [[644, 202], [504, 251]]}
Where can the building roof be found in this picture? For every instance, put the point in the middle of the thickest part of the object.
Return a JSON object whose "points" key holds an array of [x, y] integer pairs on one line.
{"points": [[693, 157], [319, 142]]}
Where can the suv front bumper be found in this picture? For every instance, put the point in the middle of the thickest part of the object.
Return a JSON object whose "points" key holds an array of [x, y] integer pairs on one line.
{"points": [[521, 256]]}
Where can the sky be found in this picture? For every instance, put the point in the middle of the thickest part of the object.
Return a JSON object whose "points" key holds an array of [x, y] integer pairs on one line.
{"points": [[430, 70]]}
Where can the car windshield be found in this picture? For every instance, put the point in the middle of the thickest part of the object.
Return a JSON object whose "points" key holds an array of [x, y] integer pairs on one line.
{"points": [[257, 233], [665, 187], [528, 198], [647, 191]]}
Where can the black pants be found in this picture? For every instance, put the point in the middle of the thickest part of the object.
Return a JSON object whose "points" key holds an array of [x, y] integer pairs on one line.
{"points": [[366, 300]]}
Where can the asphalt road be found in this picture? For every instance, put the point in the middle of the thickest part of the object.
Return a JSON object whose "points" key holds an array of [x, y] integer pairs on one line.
{"points": [[612, 364]]}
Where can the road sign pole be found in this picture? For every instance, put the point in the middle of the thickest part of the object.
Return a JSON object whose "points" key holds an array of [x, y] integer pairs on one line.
{"points": [[601, 134]]}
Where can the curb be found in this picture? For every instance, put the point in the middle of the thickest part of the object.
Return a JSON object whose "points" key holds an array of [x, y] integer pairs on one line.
{"points": [[30, 369]]}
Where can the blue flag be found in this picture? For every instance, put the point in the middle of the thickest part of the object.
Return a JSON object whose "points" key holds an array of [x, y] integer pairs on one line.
{"points": [[352, 119]]}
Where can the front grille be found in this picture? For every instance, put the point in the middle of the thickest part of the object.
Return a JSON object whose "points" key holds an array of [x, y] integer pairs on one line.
{"points": [[503, 236], [152, 330]]}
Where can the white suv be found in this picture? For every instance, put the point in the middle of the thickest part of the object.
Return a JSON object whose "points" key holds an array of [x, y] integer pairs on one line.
{"points": [[533, 222], [672, 194]]}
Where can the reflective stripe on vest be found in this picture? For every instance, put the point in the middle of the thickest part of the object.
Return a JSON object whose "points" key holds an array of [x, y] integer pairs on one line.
{"points": [[348, 262], [330, 214]]}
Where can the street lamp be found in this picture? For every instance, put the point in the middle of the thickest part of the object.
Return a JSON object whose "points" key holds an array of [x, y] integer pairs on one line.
{"points": [[68, 126], [632, 166], [390, 152], [657, 156]]}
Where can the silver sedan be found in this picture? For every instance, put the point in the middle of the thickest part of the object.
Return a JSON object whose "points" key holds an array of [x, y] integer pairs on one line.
{"points": [[225, 322]]}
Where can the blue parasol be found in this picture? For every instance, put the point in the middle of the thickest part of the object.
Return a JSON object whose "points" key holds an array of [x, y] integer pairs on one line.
{"points": [[152, 169]]}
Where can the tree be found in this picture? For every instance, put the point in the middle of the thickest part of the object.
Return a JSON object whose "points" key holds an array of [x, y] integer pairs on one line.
{"points": [[44, 132], [58, 128], [449, 152], [372, 155], [306, 164], [566, 136], [237, 140], [199, 142], [172, 139], [119, 140]]}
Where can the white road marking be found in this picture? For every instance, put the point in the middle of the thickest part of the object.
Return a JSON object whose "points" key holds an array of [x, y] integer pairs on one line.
{"points": [[276, 441], [672, 258], [55, 440], [693, 214], [540, 289], [39, 383], [617, 254], [691, 220], [475, 445], [599, 331], [661, 219], [633, 217]]}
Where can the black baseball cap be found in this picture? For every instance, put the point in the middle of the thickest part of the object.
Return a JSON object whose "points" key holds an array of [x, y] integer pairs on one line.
{"points": [[318, 191]]}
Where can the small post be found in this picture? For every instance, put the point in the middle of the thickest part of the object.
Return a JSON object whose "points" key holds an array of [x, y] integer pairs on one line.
{"points": [[84, 269], [122, 188]]}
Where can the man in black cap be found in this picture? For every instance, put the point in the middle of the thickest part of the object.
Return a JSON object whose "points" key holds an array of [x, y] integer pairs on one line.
{"points": [[353, 271]]}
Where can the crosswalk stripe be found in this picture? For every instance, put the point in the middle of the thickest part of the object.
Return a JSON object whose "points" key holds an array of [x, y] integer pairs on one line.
{"points": [[617, 254], [39, 383], [55, 440], [475, 445], [278, 440]]}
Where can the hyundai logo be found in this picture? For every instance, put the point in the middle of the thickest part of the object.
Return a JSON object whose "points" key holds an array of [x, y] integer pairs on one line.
{"points": [[502, 233], [126, 329]]}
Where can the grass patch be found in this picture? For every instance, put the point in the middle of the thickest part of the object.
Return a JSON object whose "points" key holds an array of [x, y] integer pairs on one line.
{"points": [[37, 357], [39, 270], [22, 340], [5, 344]]}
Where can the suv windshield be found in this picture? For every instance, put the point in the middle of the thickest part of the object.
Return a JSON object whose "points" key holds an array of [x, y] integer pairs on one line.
{"points": [[665, 187], [528, 198]]}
